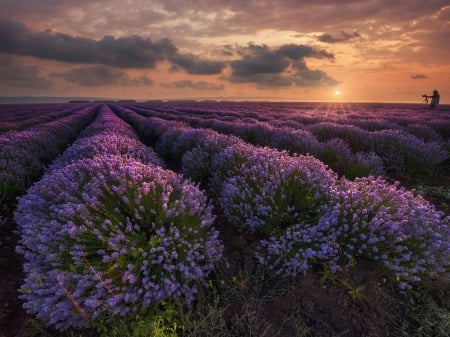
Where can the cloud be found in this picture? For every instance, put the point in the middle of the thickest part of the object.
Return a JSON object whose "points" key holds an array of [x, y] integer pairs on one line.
{"points": [[281, 67], [100, 75], [418, 76], [342, 37], [194, 66], [17, 74], [200, 85], [123, 52]]}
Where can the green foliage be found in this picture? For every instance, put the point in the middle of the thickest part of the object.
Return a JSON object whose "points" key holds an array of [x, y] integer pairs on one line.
{"points": [[157, 321], [438, 195], [330, 278], [430, 309]]}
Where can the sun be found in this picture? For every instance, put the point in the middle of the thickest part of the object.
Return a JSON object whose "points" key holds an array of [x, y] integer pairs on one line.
{"points": [[337, 92]]}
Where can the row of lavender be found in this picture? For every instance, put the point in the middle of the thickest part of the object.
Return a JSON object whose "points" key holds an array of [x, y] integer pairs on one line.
{"points": [[302, 210], [25, 154], [414, 119], [107, 231], [347, 149], [19, 117]]}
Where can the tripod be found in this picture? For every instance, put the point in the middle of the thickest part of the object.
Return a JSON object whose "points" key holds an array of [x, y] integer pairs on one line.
{"points": [[425, 100]]}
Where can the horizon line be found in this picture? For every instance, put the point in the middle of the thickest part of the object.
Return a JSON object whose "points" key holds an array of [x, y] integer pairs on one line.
{"points": [[23, 99]]}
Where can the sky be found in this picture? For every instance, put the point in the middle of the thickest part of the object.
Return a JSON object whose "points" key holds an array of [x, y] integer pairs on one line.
{"points": [[280, 50]]}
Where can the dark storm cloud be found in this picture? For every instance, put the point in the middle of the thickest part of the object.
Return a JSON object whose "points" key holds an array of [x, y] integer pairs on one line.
{"points": [[200, 85], [418, 76], [17, 74], [342, 37], [124, 52], [260, 59], [100, 76], [194, 66], [280, 67]]}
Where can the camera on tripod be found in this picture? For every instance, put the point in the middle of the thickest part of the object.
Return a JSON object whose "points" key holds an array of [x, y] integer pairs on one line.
{"points": [[425, 98]]}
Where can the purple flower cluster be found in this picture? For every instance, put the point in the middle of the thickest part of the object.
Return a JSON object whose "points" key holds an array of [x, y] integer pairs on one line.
{"points": [[424, 132], [149, 129], [336, 153], [107, 135], [382, 222], [357, 138], [108, 122], [112, 235], [402, 152], [23, 117], [107, 144], [367, 219], [273, 190], [414, 156], [305, 214], [25, 154], [197, 163], [296, 141]]}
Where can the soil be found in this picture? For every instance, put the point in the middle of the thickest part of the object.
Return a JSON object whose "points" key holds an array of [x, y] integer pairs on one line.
{"points": [[355, 302], [13, 319], [358, 302]]}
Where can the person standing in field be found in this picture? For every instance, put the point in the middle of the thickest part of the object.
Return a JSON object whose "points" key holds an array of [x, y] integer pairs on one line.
{"points": [[434, 98]]}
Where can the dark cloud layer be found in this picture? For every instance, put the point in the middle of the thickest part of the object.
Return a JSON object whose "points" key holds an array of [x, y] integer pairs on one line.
{"points": [[342, 37], [281, 67], [192, 65], [100, 75], [126, 52], [123, 52]]}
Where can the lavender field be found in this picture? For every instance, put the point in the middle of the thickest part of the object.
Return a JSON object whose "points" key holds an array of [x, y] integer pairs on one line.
{"points": [[225, 219]]}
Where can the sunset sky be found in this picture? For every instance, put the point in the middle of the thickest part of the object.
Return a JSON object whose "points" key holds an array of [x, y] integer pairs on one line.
{"points": [[282, 50]]}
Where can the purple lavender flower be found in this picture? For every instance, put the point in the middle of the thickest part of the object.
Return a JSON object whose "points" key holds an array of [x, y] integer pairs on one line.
{"points": [[112, 234], [381, 221], [25, 154]]}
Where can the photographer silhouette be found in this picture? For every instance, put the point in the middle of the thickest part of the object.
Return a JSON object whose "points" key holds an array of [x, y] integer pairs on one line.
{"points": [[434, 98]]}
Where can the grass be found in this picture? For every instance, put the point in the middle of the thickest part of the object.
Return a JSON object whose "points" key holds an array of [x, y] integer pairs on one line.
{"points": [[237, 307]]}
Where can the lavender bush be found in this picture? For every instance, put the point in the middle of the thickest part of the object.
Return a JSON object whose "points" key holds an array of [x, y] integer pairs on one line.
{"points": [[112, 236], [164, 144], [108, 121], [385, 223], [336, 153], [274, 190], [25, 154], [227, 163], [295, 141], [358, 139], [149, 129], [197, 163], [424, 132], [402, 152], [293, 251], [367, 219], [106, 143]]}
